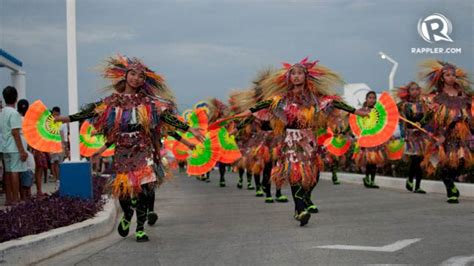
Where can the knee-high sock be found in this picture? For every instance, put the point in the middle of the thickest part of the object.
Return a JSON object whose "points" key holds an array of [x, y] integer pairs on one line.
{"points": [[256, 178], [371, 170], [151, 199], [298, 194], [142, 206], [241, 173], [267, 184], [126, 204], [418, 172], [448, 176], [222, 169], [249, 177]]}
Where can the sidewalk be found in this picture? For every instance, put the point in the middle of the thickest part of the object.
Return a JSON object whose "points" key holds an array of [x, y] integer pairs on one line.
{"points": [[397, 183]]}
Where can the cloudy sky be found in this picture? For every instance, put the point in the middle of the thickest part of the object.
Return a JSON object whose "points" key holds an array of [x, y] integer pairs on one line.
{"points": [[208, 47]]}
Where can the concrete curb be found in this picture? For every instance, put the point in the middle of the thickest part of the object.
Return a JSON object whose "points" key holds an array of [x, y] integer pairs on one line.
{"points": [[34, 248], [430, 186]]}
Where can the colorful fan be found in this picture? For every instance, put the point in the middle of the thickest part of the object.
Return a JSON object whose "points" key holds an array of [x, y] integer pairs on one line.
{"points": [[323, 134], [186, 113], [205, 156], [338, 145], [395, 149], [179, 150], [379, 126], [89, 142], [230, 151], [40, 130], [198, 118]]}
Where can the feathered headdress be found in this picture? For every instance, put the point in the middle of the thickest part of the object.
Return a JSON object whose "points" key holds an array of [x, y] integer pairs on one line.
{"points": [[116, 69], [432, 71], [403, 92], [320, 80]]}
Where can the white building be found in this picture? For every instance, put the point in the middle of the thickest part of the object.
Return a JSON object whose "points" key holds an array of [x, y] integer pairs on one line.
{"points": [[18, 76]]}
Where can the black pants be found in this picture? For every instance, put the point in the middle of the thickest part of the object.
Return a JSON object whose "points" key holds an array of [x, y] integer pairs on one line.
{"points": [[415, 171], [301, 197], [222, 169]]}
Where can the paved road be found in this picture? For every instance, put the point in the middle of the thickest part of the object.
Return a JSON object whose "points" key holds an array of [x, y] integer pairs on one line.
{"points": [[202, 224]]}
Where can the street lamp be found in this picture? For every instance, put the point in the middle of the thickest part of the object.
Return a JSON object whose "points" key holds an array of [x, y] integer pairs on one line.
{"points": [[392, 72]]}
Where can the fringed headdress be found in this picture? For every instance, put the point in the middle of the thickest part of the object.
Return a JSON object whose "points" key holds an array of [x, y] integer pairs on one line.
{"points": [[432, 72], [319, 81], [403, 92], [116, 69]]}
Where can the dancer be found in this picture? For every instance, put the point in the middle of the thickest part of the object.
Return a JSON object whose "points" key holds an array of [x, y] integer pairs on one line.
{"points": [[130, 118]]}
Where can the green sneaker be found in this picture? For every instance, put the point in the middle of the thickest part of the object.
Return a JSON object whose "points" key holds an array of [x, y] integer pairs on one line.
{"points": [[222, 183], [419, 191], [373, 185], [250, 186], [453, 199], [409, 185], [303, 218], [123, 227], [336, 182], [141, 236], [259, 192], [268, 200], [455, 191], [282, 198], [312, 208]]}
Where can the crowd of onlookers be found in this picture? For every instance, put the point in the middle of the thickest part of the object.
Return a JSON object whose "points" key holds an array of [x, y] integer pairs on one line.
{"points": [[21, 165]]}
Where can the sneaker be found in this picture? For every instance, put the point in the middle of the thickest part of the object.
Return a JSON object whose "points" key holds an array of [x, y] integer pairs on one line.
{"points": [[269, 200], [259, 192], [420, 191], [303, 218], [282, 198], [366, 181], [409, 185], [123, 227], [207, 180], [152, 217], [312, 208], [455, 192], [222, 183], [453, 199], [336, 182], [141, 236], [250, 186], [373, 185], [239, 184]]}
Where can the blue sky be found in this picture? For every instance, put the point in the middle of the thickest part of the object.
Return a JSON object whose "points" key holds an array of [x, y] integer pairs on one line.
{"points": [[206, 48]]}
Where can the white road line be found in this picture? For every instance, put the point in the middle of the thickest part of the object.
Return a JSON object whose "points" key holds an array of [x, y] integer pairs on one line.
{"points": [[459, 261], [388, 248]]}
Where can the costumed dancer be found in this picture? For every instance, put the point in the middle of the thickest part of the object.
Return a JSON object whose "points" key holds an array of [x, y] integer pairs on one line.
{"points": [[452, 124], [414, 108], [339, 143], [295, 97], [130, 118]]}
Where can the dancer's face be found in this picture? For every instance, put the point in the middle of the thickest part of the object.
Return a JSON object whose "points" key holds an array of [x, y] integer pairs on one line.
{"points": [[371, 100], [449, 77], [297, 76], [135, 79], [414, 91]]}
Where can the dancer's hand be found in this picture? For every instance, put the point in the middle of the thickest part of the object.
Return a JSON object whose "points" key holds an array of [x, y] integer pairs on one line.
{"points": [[60, 118], [197, 133], [362, 112]]}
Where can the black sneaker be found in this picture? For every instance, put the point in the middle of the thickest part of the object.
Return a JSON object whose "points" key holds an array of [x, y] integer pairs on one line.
{"points": [[303, 218], [152, 218], [141, 236], [453, 200], [419, 191], [123, 227], [409, 185]]}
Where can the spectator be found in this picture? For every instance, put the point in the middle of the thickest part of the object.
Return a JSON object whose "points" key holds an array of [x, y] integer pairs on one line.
{"points": [[13, 145], [57, 158]]}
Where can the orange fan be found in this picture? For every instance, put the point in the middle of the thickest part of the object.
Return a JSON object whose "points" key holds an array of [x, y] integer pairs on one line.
{"points": [[89, 142], [337, 145], [230, 151], [379, 126], [40, 130], [205, 156]]}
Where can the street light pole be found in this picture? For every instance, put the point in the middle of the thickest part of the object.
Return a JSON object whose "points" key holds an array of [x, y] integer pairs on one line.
{"points": [[391, 77]]}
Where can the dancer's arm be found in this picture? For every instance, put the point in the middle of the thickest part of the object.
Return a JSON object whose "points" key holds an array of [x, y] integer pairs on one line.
{"points": [[186, 142], [86, 112], [343, 106]]}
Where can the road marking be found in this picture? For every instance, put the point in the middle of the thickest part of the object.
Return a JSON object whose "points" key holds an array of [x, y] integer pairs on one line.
{"points": [[388, 248], [458, 261]]}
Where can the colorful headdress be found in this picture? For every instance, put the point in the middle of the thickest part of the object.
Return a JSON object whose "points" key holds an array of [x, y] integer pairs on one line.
{"points": [[432, 71], [403, 92], [116, 69], [320, 80]]}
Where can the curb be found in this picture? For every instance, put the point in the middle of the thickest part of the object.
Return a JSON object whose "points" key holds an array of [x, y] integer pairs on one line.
{"points": [[430, 186], [34, 248]]}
